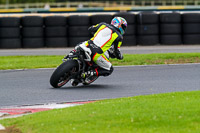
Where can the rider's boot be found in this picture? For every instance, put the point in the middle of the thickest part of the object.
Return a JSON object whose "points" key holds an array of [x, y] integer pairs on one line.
{"points": [[89, 74], [97, 72]]}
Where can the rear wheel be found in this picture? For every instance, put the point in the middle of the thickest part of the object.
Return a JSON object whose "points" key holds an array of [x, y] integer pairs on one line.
{"points": [[63, 73]]}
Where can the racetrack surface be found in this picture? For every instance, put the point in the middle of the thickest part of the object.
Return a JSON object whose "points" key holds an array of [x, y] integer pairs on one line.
{"points": [[28, 87]]}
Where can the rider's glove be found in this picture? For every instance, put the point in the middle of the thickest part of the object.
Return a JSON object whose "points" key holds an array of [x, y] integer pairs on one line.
{"points": [[72, 52], [111, 52], [115, 53], [120, 56]]}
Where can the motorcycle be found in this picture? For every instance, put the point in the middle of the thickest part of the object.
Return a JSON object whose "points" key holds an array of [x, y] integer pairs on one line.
{"points": [[73, 67]]}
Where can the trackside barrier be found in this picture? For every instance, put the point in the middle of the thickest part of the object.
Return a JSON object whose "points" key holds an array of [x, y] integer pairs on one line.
{"points": [[32, 32], [144, 28], [101, 9]]}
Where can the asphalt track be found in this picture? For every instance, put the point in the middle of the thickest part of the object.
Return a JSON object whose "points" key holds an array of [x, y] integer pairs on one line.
{"points": [[28, 87]]}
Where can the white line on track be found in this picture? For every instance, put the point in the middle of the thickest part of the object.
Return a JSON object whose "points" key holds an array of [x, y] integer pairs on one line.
{"points": [[24, 109], [2, 127], [186, 64], [47, 106]]}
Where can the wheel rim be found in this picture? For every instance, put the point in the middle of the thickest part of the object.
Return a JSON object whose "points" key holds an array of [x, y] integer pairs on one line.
{"points": [[66, 77], [91, 79], [63, 80]]}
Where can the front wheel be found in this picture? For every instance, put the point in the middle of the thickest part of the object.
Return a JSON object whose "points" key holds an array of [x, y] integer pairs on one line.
{"points": [[63, 73]]}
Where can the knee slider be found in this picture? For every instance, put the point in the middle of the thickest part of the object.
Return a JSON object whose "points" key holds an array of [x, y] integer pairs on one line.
{"points": [[111, 69], [109, 72]]}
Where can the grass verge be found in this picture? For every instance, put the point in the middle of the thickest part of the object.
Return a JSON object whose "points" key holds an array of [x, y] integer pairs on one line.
{"points": [[45, 61], [171, 112]]}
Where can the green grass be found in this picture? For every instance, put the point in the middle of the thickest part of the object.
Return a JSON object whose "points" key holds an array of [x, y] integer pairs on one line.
{"points": [[31, 62], [151, 59], [161, 113]]}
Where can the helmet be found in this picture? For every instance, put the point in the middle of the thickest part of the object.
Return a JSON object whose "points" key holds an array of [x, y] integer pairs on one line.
{"points": [[119, 23]]}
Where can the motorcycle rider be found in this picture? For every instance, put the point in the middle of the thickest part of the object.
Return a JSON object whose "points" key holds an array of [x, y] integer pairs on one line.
{"points": [[105, 43]]}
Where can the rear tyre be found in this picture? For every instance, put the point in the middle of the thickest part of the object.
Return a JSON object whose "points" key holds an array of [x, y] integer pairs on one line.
{"points": [[63, 73]]}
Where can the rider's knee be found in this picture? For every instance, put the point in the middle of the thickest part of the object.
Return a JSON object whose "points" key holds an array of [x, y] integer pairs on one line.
{"points": [[108, 72], [111, 69]]}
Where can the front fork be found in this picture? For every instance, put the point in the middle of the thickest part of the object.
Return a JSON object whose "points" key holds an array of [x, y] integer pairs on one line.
{"points": [[76, 76]]}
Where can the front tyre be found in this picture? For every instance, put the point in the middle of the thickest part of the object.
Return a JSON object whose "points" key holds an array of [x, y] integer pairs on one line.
{"points": [[63, 73]]}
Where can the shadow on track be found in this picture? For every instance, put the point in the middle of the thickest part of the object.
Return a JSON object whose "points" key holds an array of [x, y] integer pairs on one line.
{"points": [[93, 86]]}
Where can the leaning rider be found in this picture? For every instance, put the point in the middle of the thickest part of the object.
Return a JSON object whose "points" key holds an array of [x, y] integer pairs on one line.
{"points": [[107, 39]]}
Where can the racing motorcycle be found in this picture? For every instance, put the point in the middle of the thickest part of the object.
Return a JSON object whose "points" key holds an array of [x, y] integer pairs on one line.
{"points": [[73, 67]]}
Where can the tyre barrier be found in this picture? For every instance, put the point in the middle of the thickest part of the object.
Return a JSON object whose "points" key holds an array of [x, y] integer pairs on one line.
{"points": [[147, 28], [10, 32], [95, 19], [170, 28], [130, 35], [10, 43], [73, 41], [144, 28], [32, 21], [79, 20], [55, 31], [55, 21], [191, 28], [78, 29], [56, 42], [32, 32]]}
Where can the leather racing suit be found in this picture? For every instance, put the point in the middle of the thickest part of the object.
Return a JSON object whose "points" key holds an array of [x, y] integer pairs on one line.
{"points": [[106, 41]]}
